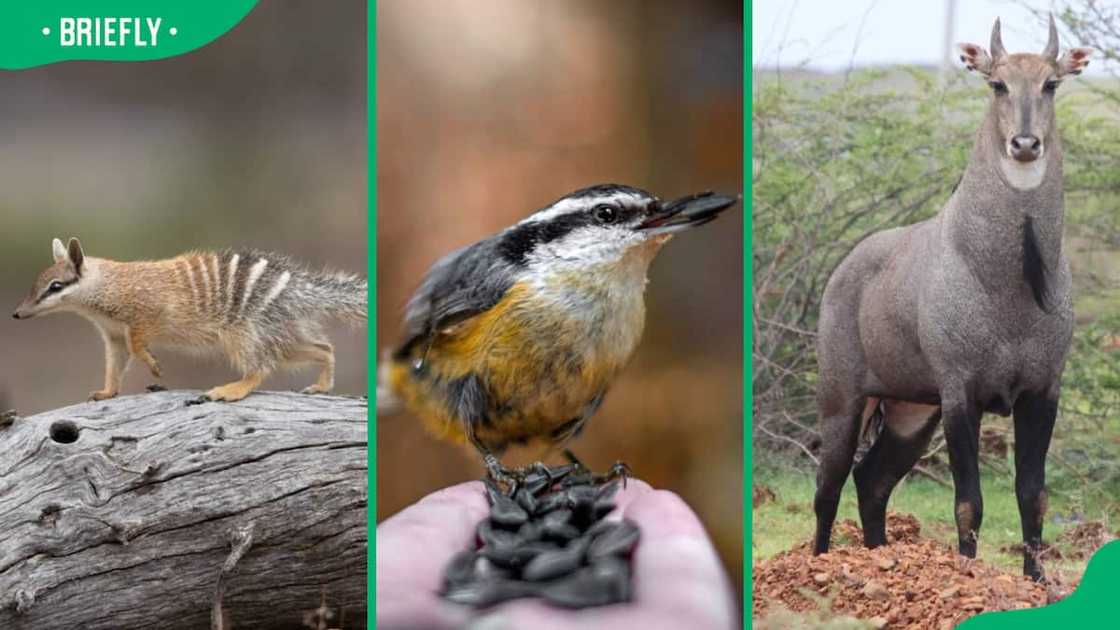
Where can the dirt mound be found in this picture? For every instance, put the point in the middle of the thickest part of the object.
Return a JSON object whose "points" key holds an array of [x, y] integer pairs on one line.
{"points": [[1086, 538], [911, 583], [1077, 543], [901, 528]]}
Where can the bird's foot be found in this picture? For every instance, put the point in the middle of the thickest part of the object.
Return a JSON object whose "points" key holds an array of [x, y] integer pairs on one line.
{"points": [[583, 474], [619, 470], [536, 477], [503, 476]]}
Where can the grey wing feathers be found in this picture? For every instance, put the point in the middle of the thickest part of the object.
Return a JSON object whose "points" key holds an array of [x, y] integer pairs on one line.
{"points": [[462, 284]]}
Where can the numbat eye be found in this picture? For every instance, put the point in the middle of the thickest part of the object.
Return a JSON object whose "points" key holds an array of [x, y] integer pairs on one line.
{"points": [[999, 86], [55, 287], [1050, 86], [605, 214]]}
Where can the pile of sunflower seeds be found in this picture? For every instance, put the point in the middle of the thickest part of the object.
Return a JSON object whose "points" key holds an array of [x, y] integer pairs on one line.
{"points": [[547, 538]]}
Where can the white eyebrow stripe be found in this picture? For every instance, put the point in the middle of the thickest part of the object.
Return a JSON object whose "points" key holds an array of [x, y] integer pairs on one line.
{"points": [[232, 284], [277, 287], [254, 274], [566, 206]]}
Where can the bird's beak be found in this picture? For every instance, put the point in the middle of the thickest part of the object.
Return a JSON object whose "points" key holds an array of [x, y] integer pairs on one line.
{"points": [[687, 212]]}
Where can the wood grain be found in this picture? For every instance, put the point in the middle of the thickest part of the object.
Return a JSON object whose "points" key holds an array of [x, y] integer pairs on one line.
{"points": [[121, 513]]}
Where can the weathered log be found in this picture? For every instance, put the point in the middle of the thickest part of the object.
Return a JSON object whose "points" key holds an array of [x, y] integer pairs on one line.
{"points": [[125, 513]]}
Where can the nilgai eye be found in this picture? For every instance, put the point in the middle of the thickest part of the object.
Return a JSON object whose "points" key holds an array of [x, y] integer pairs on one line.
{"points": [[1050, 86], [605, 214], [55, 287], [999, 86]]}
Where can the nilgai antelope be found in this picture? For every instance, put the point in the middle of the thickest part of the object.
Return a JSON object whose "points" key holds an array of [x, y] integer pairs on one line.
{"points": [[964, 313]]}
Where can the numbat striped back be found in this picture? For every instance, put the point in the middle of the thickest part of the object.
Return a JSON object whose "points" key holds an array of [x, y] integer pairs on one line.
{"points": [[253, 286], [262, 310]]}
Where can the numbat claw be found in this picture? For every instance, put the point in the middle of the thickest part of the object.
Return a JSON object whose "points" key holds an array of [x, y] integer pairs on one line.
{"points": [[102, 394]]}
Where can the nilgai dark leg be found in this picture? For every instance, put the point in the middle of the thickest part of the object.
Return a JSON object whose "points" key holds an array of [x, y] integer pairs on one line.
{"points": [[840, 423], [961, 419], [1034, 424], [880, 470]]}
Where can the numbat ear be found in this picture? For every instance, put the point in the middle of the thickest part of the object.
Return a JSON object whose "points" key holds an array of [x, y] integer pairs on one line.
{"points": [[1074, 60], [58, 250], [974, 57], [75, 254]]}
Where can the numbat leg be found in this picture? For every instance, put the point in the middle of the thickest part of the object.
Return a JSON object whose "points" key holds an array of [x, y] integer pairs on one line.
{"points": [[138, 347], [236, 390], [116, 361], [320, 353]]}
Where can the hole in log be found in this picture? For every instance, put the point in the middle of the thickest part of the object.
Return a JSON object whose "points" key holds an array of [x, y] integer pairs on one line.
{"points": [[64, 432], [49, 516]]}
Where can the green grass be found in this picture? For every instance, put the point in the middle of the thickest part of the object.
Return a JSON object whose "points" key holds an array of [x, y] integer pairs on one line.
{"points": [[789, 521], [781, 618]]}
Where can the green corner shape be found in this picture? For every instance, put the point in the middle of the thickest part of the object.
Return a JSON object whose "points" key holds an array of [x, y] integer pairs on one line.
{"points": [[32, 31], [1093, 605]]}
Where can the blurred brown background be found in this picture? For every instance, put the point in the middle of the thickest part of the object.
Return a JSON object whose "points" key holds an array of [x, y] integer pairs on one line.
{"points": [[256, 140], [490, 110]]}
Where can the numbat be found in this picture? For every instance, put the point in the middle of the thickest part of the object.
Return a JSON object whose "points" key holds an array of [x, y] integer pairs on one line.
{"points": [[262, 311]]}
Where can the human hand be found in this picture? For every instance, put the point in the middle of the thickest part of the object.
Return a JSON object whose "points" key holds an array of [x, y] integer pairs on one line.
{"points": [[678, 579]]}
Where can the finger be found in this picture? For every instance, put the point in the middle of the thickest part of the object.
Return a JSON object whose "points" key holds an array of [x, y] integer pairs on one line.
{"points": [[676, 567], [414, 546]]}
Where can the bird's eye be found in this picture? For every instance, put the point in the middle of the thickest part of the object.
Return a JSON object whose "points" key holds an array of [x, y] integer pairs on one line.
{"points": [[999, 86], [605, 214], [54, 287], [1050, 86]]}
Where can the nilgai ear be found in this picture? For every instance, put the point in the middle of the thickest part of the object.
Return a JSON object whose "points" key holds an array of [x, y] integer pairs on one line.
{"points": [[76, 255], [1074, 60], [58, 250], [975, 58]]}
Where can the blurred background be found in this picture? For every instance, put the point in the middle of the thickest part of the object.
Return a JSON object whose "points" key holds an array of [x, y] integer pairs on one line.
{"points": [[256, 140], [861, 120], [488, 111]]}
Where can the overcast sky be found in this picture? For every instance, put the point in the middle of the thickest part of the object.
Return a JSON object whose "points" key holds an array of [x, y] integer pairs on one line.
{"points": [[830, 34]]}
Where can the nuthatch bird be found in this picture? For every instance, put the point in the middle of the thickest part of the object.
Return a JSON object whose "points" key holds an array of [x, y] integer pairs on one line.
{"points": [[518, 337]]}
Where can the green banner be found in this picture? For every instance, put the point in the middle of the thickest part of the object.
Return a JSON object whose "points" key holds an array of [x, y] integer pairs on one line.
{"points": [[1092, 605], [38, 32]]}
